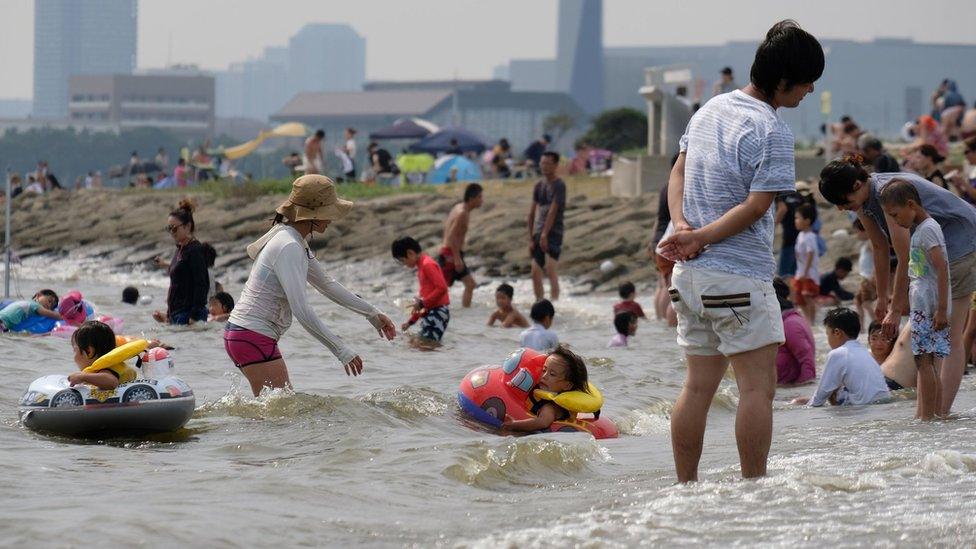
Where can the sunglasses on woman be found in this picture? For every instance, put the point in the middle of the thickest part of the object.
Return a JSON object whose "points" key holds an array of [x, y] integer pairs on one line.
{"points": [[173, 228]]}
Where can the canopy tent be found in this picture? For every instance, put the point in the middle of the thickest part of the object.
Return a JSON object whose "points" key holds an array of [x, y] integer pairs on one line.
{"points": [[440, 141], [464, 170], [288, 129], [406, 128]]}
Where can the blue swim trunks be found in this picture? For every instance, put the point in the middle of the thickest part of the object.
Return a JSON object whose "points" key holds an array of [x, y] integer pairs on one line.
{"points": [[433, 324], [926, 340]]}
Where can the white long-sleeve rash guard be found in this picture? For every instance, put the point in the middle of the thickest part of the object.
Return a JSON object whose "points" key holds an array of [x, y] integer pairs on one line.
{"points": [[276, 288]]}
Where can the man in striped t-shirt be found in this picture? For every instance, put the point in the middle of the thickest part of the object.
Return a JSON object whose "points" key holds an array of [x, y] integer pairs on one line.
{"points": [[736, 155]]}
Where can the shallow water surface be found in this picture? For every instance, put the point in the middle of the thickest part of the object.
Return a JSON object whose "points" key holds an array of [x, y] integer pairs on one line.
{"points": [[385, 459]]}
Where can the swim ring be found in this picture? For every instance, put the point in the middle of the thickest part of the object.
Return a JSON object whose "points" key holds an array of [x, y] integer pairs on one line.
{"points": [[489, 393], [156, 401]]}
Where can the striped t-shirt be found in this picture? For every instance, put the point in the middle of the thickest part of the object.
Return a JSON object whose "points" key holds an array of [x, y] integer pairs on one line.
{"points": [[736, 144]]}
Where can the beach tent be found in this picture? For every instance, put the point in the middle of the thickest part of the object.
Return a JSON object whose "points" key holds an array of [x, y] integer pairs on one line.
{"points": [[406, 128], [466, 169], [288, 129], [440, 141]]}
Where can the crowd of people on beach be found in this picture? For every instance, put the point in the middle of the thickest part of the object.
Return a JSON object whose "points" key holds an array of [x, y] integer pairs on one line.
{"points": [[732, 301]]}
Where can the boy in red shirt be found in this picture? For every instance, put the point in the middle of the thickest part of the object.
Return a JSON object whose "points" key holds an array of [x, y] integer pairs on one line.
{"points": [[431, 307], [627, 293]]}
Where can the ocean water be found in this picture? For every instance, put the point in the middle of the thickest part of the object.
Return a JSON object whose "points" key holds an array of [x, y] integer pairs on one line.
{"points": [[385, 459]]}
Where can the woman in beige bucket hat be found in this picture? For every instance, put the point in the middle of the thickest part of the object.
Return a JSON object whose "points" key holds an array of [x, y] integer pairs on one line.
{"points": [[275, 288]]}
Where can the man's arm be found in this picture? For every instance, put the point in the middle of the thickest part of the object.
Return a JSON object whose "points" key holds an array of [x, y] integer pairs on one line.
{"points": [[676, 192], [689, 243]]}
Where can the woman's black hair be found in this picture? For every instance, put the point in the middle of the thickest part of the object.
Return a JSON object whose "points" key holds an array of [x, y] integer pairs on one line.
{"points": [[96, 336], [575, 368], [788, 54], [184, 213], [837, 179], [401, 245], [622, 321], [506, 289], [845, 320], [782, 294]]}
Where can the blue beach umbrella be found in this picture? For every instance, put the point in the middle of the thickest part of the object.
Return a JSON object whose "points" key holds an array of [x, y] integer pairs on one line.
{"points": [[439, 142]]}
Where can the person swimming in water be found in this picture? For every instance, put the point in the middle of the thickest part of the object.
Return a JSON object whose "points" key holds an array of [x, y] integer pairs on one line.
{"points": [[563, 371]]}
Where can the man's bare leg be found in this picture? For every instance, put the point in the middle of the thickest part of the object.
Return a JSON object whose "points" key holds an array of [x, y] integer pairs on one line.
{"points": [[690, 412], [755, 374], [537, 280], [954, 365], [551, 265], [468, 282]]}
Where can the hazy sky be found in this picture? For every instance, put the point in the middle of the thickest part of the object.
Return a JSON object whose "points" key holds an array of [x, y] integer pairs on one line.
{"points": [[420, 39]]}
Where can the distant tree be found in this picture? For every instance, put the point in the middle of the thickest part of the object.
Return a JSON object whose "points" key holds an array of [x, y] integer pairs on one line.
{"points": [[556, 125], [618, 130]]}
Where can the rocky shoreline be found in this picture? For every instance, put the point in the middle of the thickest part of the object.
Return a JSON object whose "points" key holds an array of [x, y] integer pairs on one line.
{"points": [[122, 230]]}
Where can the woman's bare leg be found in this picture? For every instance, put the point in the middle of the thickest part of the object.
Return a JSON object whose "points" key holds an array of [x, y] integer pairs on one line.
{"points": [[272, 374]]}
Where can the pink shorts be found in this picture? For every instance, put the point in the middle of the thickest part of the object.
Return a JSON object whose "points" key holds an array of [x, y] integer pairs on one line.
{"points": [[246, 347]]}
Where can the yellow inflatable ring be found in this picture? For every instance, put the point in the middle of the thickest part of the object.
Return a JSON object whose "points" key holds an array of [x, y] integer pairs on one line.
{"points": [[117, 355], [575, 401]]}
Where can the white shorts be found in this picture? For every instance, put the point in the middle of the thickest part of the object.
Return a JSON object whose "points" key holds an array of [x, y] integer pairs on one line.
{"points": [[724, 314]]}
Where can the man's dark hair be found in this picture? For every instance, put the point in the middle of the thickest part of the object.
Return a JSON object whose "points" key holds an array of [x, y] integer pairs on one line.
{"points": [[320, 133], [553, 155], [898, 192], [130, 295], [844, 264], [622, 321], [49, 293], [209, 254], [506, 289], [807, 211], [867, 141], [96, 336], [837, 179], [226, 300], [626, 289], [472, 191], [727, 70], [542, 309], [401, 245], [788, 54], [575, 368], [844, 320], [547, 138]]}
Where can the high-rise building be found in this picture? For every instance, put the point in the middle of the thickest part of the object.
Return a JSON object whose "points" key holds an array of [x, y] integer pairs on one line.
{"points": [[326, 57], [579, 52], [76, 37]]}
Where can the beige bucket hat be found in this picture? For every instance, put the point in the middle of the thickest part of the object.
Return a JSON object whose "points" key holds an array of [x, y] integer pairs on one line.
{"points": [[314, 197]]}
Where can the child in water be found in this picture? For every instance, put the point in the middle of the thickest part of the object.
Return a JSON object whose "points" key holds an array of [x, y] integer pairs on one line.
{"points": [[431, 307], [563, 371], [44, 304], [506, 313], [90, 342], [626, 325], [220, 307], [628, 292]]}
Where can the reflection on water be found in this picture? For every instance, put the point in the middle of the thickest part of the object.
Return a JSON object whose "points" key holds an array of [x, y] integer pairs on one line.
{"points": [[385, 459]]}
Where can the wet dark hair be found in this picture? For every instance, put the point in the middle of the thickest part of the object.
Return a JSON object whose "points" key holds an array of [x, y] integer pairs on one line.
{"points": [[898, 192], [49, 293], [506, 289], [844, 263], [626, 289], [542, 309], [807, 211], [622, 321], [401, 245], [184, 213], [837, 179], [225, 299], [553, 155], [209, 253], [845, 320], [788, 54], [130, 295], [575, 367], [320, 133], [96, 336], [472, 191]]}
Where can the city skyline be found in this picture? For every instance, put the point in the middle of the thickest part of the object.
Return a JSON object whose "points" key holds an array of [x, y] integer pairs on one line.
{"points": [[441, 42]]}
